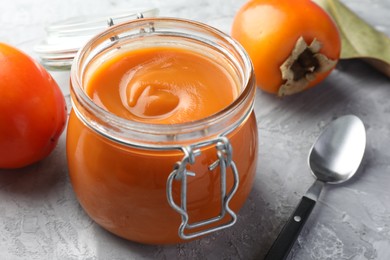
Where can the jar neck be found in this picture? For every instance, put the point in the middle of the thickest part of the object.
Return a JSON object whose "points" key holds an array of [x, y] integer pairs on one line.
{"points": [[161, 31]]}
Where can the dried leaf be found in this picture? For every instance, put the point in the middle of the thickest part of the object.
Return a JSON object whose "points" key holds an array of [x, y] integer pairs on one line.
{"points": [[359, 39]]}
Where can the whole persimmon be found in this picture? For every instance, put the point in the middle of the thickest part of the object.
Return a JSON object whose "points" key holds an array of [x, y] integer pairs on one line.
{"points": [[32, 110], [293, 44]]}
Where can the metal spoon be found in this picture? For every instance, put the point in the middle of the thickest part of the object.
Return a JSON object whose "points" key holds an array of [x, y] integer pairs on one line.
{"points": [[334, 158]]}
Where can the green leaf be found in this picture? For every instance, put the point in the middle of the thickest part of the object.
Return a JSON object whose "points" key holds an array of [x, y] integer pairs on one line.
{"points": [[358, 38]]}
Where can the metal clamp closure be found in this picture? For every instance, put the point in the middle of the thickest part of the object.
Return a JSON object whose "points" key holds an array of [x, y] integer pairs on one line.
{"points": [[110, 23], [180, 173]]}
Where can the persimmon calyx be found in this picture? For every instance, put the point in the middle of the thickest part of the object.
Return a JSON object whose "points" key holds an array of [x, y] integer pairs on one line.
{"points": [[302, 66]]}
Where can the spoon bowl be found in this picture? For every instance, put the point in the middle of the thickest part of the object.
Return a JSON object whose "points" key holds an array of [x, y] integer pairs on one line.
{"points": [[337, 153]]}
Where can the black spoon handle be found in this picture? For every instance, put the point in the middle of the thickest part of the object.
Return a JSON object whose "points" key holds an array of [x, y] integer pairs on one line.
{"points": [[286, 238]]}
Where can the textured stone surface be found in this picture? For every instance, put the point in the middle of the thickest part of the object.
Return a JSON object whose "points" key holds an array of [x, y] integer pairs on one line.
{"points": [[40, 217]]}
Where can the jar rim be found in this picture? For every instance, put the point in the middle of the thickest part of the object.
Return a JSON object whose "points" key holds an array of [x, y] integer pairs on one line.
{"points": [[137, 130]]}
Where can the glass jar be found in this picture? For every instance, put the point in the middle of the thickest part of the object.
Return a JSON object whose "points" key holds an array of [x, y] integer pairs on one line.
{"points": [[162, 183]]}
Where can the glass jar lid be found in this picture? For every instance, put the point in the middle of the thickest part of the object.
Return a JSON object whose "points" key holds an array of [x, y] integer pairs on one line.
{"points": [[65, 38]]}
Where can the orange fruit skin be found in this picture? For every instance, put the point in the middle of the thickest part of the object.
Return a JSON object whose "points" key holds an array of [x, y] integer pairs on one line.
{"points": [[32, 110], [269, 29]]}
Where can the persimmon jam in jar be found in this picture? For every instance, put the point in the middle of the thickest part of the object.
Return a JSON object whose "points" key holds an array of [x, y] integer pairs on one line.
{"points": [[162, 137]]}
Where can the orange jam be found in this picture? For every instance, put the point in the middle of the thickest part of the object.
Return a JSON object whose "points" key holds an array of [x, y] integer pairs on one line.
{"points": [[163, 85], [138, 110]]}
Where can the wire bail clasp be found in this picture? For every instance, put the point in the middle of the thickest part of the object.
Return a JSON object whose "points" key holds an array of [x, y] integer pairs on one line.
{"points": [[180, 173], [139, 15]]}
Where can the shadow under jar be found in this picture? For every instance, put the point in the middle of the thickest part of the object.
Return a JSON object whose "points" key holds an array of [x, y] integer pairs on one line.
{"points": [[162, 137]]}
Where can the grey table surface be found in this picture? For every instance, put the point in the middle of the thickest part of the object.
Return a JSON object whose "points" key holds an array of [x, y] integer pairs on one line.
{"points": [[40, 217]]}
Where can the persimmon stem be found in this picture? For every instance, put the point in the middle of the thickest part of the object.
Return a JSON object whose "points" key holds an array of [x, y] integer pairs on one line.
{"points": [[302, 66]]}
